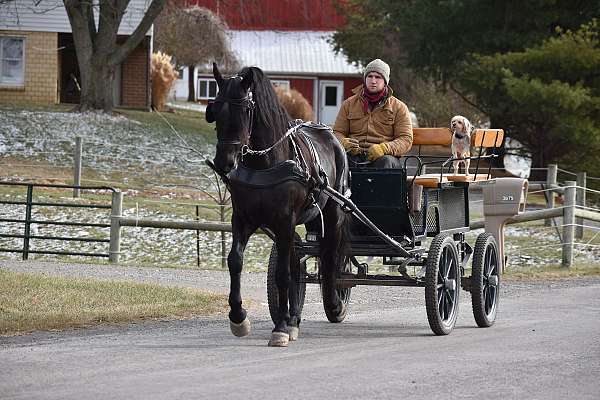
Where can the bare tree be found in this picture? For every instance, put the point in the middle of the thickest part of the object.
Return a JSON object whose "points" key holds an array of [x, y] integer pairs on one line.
{"points": [[193, 36], [98, 52]]}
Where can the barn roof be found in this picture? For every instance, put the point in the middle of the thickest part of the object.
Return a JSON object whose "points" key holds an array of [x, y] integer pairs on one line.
{"points": [[291, 52]]}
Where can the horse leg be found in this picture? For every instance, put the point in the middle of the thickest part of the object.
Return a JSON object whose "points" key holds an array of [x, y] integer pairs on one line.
{"points": [[284, 242], [294, 321], [332, 256], [238, 320]]}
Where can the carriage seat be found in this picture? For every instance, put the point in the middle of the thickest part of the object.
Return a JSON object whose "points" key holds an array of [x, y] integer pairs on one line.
{"points": [[437, 142]]}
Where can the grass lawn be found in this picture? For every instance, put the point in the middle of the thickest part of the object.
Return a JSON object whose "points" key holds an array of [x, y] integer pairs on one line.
{"points": [[552, 272], [31, 302]]}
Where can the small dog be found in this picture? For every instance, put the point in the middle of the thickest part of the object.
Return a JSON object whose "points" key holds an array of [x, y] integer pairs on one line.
{"points": [[461, 142]]}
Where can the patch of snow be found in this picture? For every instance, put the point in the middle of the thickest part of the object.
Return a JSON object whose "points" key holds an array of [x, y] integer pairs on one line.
{"points": [[187, 105], [111, 143], [518, 165]]}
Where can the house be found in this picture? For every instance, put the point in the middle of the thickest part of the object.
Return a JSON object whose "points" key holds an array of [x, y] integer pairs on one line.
{"points": [[38, 63], [290, 41]]}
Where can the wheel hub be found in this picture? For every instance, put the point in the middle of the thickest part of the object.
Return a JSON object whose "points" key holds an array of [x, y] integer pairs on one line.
{"points": [[450, 284], [493, 280]]}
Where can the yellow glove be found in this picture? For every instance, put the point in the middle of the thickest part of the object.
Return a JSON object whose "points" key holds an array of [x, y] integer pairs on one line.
{"points": [[351, 145], [377, 150]]}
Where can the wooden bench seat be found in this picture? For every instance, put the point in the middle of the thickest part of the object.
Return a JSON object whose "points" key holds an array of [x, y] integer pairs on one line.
{"points": [[436, 142], [439, 141], [433, 180], [429, 180], [443, 137], [481, 176]]}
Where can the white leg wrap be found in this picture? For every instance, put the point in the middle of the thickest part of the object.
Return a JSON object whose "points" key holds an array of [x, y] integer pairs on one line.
{"points": [[293, 332], [279, 339], [240, 330]]}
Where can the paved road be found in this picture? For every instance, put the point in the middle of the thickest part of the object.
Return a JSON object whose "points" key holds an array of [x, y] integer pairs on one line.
{"points": [[545, 345]]}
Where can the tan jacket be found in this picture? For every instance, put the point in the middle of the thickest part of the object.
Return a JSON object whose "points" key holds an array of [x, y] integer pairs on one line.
{"points": [[389, 122]]}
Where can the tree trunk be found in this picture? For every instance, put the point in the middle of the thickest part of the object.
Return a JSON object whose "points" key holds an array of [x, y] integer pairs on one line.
{"points": [[97, 86], [98, 53], [191, 85]]}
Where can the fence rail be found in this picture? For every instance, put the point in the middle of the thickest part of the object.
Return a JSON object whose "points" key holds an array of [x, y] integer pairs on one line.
{"points": [[573, 213], [28, 221]]}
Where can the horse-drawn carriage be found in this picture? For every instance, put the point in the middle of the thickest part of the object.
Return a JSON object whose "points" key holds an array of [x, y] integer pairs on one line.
{"points": [[409, 210], [281, 176]]}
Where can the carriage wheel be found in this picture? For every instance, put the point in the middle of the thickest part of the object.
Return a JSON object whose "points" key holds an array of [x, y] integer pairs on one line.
{"points": [[485, 280], [442, 284], [273, 293], [336, 316]]}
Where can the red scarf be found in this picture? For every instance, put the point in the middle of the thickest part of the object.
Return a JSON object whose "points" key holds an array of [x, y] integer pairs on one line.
{"points": [[372, 99]]}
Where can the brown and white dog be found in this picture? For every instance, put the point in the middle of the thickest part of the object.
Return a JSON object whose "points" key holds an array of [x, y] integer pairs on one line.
{"points": [[461, 142]]}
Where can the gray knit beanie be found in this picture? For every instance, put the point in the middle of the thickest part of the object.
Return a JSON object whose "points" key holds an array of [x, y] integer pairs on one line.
{"points": [[380, 67]]}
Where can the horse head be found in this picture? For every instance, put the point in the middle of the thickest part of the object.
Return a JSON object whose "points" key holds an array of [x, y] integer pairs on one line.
{"points": [[232, 110]]}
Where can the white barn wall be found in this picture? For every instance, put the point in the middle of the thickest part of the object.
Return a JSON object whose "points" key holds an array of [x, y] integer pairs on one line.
{"points": [[179, 91], [51, 16]]}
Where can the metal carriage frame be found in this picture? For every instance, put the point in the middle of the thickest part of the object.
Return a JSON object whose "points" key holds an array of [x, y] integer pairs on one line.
{"points": [[393, 216]]}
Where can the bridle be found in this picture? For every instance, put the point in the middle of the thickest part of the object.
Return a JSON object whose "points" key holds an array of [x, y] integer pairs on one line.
{"points": [[247, 104]]}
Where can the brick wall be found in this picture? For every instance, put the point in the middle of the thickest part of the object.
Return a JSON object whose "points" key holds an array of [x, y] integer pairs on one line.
{"points": [[135, 71], [41, 70]]}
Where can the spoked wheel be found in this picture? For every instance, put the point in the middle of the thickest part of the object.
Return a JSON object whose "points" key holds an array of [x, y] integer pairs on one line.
{"points": [[485, 280], [338, 315], [273, 293], [442, 284]]}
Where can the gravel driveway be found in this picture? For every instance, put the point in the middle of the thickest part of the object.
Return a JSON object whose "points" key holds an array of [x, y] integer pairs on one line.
{"points": [[545, 345]]}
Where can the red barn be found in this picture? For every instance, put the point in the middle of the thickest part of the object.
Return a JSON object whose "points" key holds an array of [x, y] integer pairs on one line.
{"points": [[290, 41]]}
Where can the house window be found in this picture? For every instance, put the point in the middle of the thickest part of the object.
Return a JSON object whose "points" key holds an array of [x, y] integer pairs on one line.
{"points": [[207, 88], [281, 84], [12, 60]]}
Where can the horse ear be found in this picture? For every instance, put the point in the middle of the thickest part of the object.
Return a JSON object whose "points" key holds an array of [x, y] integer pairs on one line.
{"points": [[217, 74], [210, 116]]}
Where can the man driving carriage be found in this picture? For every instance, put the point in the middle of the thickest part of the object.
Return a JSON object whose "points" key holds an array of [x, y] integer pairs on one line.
{"points": [[374, 126]]}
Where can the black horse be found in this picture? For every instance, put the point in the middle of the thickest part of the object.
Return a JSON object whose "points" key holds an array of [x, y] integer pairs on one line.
{"points": [[274, 170]]}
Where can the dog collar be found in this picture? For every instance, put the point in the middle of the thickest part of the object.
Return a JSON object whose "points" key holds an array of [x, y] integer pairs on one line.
{"points": [[459, 136]]}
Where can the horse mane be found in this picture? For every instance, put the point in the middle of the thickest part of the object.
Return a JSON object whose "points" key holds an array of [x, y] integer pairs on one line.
{"points": [[268, 110]]}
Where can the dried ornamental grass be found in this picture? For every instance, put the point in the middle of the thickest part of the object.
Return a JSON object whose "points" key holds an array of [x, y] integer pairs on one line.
{"points": [[295, 104], [163, 77]]}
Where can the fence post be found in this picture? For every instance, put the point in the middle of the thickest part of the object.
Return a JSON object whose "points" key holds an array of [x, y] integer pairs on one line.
{"points": [[581, 183], [27, 222], [568, 224], [77, 166], [550, 182], [115, 227], [197, 237]]}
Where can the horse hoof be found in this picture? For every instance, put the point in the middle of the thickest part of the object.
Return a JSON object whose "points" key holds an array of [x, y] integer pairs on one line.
{"points": [[242, 329], [293, 331], [279, 339]]}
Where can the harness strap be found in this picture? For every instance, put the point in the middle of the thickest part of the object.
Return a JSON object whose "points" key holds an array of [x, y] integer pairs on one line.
{"points": [[247, 150]]}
